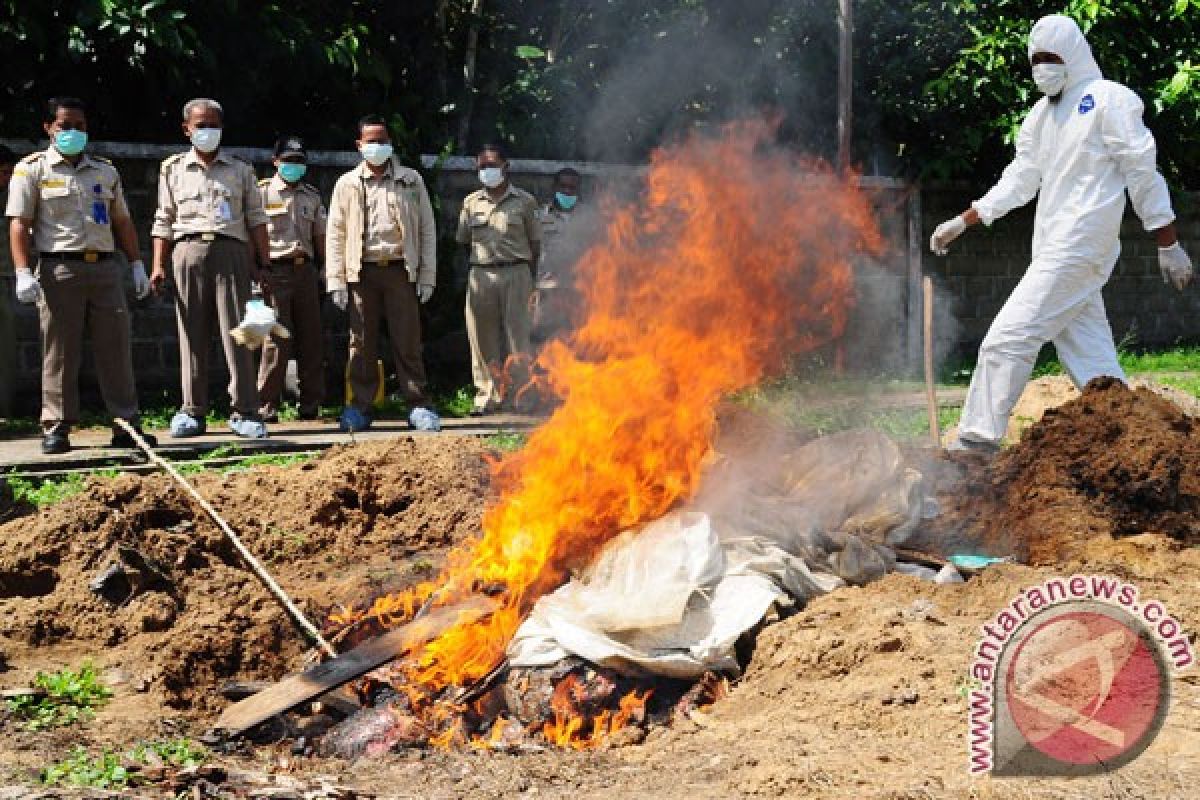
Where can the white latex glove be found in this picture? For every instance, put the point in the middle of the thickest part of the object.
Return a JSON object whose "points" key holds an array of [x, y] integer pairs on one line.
{"points": [[946, 233], [258, 324], [1175, 265], [340, 298], [27, 287], [424, 292], [141, 283]]}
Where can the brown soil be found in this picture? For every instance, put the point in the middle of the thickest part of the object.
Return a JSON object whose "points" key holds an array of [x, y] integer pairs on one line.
{"points": [[1113, 462], [860, 695], [337, 530]]}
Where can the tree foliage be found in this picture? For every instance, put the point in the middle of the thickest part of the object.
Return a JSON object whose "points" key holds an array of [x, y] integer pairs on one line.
{"points": [[940, 85]]}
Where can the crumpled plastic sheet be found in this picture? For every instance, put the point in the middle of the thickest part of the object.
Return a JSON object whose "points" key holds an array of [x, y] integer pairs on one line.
{"points": [[673, 597]]}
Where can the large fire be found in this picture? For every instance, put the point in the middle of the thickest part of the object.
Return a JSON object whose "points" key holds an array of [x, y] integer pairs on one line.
{"points": [[736, 258]]}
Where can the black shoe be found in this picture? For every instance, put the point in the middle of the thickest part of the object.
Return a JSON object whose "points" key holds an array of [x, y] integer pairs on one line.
{"points": [[121, 439], [477, 412], [55, 443]]}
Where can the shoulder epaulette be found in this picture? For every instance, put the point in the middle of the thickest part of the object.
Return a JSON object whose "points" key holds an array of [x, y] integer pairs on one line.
{"points": [[101, 159], [170, 160], [32, 157], [310, 188], [263, 181]]}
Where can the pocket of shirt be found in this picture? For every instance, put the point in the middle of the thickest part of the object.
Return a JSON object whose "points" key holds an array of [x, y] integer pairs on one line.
{"points": [[55, 193]]}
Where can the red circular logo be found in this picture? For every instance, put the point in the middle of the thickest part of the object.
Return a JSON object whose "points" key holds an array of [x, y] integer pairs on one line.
{"points": [[1087, 687]]}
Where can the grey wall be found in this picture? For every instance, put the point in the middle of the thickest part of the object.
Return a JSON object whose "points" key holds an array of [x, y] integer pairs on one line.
{"points": [[972, 282]]}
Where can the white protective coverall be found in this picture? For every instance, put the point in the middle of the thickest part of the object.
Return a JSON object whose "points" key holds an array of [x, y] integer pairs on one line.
{"points": [[1079, 154]]}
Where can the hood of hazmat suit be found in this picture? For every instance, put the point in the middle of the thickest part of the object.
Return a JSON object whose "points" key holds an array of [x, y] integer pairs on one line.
{"points": [[1079, 152]]}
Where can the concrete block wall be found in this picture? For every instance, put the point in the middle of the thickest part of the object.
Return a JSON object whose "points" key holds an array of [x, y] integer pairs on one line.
{"points": [[973, 281]]}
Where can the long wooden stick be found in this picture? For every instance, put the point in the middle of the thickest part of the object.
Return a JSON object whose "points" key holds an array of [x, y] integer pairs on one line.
{"points": [[255, 565], [930, 391]]}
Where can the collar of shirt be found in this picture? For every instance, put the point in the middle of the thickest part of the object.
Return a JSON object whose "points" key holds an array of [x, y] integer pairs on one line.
{"points": [[511, 191], [364, 170], [54, 158], [280, 185], [193, 158]]}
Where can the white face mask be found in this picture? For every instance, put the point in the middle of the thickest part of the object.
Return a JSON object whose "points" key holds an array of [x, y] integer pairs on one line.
{"points": [[491, 177], [206, 140], [1051, 79], [376, 153]]}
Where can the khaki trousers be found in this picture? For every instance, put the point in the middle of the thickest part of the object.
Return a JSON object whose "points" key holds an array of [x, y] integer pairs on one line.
{"points": [[212, 279], [497, 324], [76, 294], [296, 298], [385, 293]]}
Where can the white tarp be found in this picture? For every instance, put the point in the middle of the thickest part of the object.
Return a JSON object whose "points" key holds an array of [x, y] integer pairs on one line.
{"points": [[673, 597]]}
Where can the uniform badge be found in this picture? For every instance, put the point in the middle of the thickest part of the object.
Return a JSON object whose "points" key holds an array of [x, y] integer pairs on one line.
{"points": [[1087, 104]]}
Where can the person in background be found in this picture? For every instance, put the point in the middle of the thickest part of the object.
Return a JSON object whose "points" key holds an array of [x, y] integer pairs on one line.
{"points": [[561, 246], [1080, 148], [296, 228], [68, 215], [499, 225], [210, 224], [381, 265]]}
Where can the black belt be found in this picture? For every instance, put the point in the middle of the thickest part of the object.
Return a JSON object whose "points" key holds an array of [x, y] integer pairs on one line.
{"points": [[291, 261], [502, 264], [90, 256], [207, 236], [385, 262]]}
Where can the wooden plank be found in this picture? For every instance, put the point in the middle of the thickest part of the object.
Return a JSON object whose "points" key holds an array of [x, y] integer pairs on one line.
{"points": [[318, 680]]}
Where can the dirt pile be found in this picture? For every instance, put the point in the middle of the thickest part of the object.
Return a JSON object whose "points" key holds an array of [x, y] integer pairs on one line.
{"points": [[1113, 462], [184, 614]]}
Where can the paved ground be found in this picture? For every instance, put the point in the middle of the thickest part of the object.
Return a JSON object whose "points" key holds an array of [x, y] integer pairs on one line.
{"points": [[90, 448]]}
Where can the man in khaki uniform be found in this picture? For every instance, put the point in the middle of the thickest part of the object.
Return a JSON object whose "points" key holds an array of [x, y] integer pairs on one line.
{"points": [[566, 232], [499, 223], [296, 228], [382, 262], [210, 223], [68, 215]]}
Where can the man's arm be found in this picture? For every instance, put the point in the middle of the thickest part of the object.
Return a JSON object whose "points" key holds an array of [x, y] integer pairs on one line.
{"points": [[162, 240], [1133, 147], [1019, 183], [334, 241], [427, 269], [20, 243]]}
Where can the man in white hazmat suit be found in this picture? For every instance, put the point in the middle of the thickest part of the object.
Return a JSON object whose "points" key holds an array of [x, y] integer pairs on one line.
{"points": [[1079, 149]]}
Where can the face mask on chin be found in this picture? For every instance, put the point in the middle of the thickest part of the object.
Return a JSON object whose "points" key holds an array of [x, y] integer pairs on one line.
{"points": [[1051, 79]]}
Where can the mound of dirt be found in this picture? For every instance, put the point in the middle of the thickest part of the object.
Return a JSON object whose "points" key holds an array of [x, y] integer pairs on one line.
{"points": [[1113, 462], [182, 613]]}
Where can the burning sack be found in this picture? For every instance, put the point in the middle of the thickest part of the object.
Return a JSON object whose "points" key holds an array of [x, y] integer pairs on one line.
{"points": [[674, 596]]}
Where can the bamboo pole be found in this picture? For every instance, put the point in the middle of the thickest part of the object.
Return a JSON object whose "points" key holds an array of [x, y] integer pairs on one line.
{"points": [[255, 565], [930, 390]]}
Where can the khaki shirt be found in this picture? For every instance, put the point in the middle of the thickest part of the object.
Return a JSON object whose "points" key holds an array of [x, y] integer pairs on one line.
{"points": [[407, 204], [384, 237], [499, 232], [554, 222], [221, 199], [60, 199], [295, 216]]}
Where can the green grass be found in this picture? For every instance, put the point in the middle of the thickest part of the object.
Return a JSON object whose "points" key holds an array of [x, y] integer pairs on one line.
{"points": [[900, 423], [506, 441], [244, 464], [1171, 360], [110, 770], [43, 493], [70, 697]]}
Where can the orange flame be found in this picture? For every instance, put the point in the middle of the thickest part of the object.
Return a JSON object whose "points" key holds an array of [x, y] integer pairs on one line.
{"points": [[737, 257]]}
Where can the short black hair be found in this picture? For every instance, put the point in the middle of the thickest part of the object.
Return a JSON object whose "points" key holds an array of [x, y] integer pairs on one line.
{"points": [[55, 103], [373, 119], [567, 172], [7, 156], [494, 148]]}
